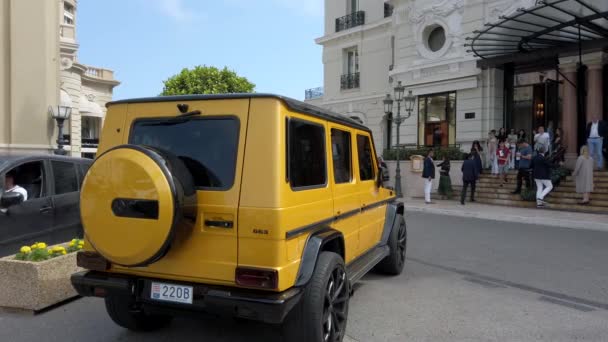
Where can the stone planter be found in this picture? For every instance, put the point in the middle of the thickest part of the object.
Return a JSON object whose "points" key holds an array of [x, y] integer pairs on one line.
{"points": [[33, 286]]}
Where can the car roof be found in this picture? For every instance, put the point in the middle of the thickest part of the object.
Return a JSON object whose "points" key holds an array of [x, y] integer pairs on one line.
{"points": [[292, 104], [11, 158]]}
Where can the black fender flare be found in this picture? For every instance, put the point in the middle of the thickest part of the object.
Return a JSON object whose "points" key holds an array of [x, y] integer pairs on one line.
{"points": [[314, 246], [390, 221]]}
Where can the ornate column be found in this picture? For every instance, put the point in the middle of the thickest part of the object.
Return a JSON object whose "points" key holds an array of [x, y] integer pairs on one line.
{"points": [[569, 119], [595, 95]]}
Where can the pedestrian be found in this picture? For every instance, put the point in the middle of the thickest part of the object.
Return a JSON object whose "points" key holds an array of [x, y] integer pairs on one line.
{"points": [[10, 185], [542, 140], [583, 174], [541, 170], [445, 183], [521, 135], [502, 155], [492, 145], [502, 135], [596, 131], [478, 153], [524, 160], [469, 177], [557, 145], [437, 136], [428, 173], [512, 141]]}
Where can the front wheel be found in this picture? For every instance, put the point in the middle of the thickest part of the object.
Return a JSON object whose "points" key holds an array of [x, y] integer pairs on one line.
{"points": [[393, 264], [122, 311], [322, 312]]}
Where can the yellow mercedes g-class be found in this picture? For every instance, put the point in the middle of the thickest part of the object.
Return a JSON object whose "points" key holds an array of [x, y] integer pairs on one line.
{"points": [[252, 206]]}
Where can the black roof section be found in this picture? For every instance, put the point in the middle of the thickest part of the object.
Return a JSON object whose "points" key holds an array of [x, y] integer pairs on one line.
{"points": [[294, 105]]}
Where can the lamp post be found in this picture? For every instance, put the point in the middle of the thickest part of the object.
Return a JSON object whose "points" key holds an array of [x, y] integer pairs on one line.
{"points": [[60, 113], [408, 102]]}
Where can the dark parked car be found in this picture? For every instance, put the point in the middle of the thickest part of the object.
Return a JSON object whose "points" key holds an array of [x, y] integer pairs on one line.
{"points": [[51, 211]]}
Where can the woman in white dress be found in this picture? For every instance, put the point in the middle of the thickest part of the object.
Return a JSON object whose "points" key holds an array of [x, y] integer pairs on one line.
{"points": [[583, 174], [492, 145]]}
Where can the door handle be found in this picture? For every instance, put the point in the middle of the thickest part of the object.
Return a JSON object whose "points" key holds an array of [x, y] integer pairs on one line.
{"points": [[46, 210]]}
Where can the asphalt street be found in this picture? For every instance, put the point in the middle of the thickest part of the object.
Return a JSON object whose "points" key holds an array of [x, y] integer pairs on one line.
{"points": [[466, 280]]}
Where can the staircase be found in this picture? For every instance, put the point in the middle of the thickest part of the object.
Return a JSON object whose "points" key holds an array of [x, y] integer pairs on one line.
{"points": [[563, 197]]}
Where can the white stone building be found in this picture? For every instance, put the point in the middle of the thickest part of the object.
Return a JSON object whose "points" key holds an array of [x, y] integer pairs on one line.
{"points": [[370, 45]]}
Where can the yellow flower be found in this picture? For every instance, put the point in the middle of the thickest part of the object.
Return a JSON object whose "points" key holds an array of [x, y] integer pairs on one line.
{"points": [[41, 245], [34, 246], [64, 252], [50, 251], [26, 249], [72, 244]]}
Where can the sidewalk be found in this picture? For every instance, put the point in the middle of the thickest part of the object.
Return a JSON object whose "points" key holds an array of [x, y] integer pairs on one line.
{"points": [[509, 214]]}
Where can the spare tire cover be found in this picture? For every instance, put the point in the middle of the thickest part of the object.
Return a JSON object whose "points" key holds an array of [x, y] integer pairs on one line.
{"points": [[128, 205]]}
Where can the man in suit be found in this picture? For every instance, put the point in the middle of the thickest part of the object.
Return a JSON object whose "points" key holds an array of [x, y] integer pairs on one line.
{"points": [[469, 177], [597, 130], [428, 173], [541, 171]]}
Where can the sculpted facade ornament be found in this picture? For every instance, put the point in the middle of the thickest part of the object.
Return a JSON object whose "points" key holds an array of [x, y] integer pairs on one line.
{"points": [[441, 9], [66, 63], [509, 7]]}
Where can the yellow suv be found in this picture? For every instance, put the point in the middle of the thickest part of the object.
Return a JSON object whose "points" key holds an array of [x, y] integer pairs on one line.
{"points": [[252, 206]]}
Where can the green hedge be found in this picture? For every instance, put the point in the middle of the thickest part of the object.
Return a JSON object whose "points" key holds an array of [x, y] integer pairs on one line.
{"points": [[556, 177], [454, 153]]}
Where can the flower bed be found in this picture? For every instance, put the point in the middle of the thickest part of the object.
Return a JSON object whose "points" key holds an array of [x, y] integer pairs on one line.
{"points": [[38, 277]]}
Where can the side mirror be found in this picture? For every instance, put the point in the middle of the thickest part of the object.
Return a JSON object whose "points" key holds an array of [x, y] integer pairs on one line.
{"points": [[10, 199]]}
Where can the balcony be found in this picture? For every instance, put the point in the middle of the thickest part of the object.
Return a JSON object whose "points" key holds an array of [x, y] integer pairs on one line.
{"points": [[349, 21], [349, 81], [314, 93], [388, 10], [100, 73]]}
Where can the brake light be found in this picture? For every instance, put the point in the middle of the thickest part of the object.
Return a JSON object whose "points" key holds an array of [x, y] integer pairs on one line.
{"points": [[253, 277], [92, 261]]}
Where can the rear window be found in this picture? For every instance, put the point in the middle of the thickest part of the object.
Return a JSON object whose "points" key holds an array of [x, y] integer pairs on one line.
{"points": [[208, 146]]}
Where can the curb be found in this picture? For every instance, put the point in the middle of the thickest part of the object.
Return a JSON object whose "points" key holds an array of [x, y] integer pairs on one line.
{"points": [[541, 221]]}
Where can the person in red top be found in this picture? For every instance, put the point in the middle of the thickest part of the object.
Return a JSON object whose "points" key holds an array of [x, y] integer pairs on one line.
{"points": [[502, 154]]}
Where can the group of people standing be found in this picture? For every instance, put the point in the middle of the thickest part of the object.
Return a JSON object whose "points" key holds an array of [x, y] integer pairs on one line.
{"points": [[532, 158]]}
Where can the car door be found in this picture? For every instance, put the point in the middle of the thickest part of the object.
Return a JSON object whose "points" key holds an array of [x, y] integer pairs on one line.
{"points": [[345, 190], [370, 199], [65, 187], [31, 220]]}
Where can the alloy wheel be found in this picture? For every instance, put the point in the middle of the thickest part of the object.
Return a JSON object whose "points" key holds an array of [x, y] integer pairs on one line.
{"points": [[335, 307]]}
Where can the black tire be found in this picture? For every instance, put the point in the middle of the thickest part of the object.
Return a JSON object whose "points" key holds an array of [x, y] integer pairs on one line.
{"points": [[393, 264], [322, 313], [122, 311]]}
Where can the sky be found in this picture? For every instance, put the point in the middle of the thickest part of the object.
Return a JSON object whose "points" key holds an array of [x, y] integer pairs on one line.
{"points": [[271, 42]]}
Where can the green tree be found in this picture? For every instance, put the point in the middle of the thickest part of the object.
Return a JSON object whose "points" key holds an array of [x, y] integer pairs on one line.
{"points": [[206, 80]]}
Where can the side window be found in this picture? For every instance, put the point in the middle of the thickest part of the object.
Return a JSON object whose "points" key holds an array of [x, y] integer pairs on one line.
{"points": [[307, 165], [366, 166], [341, 152], [27, 179], [64, 176]]}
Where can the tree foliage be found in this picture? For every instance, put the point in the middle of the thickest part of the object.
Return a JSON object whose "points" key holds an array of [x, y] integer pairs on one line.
{"points": [[206, 80]]}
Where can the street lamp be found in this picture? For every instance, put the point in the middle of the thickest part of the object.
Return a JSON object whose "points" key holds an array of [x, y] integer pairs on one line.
{"points": [[60, 113], [408, 101]]}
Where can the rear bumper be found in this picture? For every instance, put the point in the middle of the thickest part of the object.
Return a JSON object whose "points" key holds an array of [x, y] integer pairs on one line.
{"points": [[268, 307]]}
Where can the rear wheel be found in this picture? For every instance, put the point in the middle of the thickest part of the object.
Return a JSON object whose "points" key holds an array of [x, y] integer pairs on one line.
{"points": [[124, 312], [322, 313], [393, 264]]}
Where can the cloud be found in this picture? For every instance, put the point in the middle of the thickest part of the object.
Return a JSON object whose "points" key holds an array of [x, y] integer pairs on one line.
{"points": [[176, 10]]}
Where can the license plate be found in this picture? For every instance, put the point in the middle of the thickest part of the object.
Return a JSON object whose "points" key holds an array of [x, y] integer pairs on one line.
{"points": [[171, 293]]}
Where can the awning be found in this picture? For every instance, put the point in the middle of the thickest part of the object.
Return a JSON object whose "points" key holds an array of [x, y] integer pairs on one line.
{"points": [[549, 29], [90, 108]]}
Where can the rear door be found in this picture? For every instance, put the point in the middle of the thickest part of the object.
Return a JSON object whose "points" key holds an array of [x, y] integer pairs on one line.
{"points": [[30, 221], [65, 186], [211, 145], [346, 196]]}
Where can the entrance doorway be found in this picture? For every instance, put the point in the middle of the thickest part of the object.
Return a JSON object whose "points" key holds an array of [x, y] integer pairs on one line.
{"points": [[535, 105]]}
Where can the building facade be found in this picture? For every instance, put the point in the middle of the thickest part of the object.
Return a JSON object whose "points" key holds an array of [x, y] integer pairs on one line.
{"points": [[39, 67], [370, 45]]}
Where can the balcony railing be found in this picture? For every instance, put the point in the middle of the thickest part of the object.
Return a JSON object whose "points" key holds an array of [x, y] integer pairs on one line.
{"points": [[388, 10], [314, 93], [349, 81], [350, 21], [103, 74]]}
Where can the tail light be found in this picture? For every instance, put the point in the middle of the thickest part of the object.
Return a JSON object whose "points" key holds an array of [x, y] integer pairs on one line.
{"points": [[258, 278], [92, 261]]}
